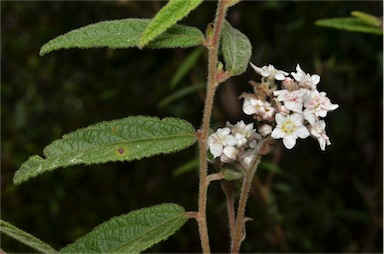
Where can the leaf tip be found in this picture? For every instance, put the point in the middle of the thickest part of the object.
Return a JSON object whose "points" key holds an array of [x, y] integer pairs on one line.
{"points": [[42, 52]]}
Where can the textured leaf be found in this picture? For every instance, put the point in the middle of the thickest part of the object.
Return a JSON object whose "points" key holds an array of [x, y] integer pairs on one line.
{"points": [[350, 24], [236, 48], [133, 232], [171, 13], [120, 140], [25, 237], [123, 33]]}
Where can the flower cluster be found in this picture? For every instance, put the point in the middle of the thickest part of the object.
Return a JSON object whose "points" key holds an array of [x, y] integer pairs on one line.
{"points": [[294, 109], [233, 142]]}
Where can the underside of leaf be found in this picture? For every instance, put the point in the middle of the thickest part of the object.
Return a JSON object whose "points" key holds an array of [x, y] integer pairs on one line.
{"points": [[236, 48]]}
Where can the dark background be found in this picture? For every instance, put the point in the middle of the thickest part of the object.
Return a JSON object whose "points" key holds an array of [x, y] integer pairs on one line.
{"points": [[317, 201]]}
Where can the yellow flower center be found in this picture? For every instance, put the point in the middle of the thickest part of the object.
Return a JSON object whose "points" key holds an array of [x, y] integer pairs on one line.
{"points": [[288, 127]]}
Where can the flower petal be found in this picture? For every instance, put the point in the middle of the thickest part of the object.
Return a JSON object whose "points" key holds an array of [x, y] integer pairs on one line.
{"points": [[216, 149], [277, 133], [280, 119], [302, 131], [315, 79], [289, 141], [297, 118]]}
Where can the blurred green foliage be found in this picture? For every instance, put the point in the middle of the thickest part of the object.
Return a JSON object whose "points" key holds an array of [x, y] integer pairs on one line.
{"points": [[317, 201]]}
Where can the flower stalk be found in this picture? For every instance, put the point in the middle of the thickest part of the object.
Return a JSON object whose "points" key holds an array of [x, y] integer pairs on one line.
{"points": [[239, 233]]}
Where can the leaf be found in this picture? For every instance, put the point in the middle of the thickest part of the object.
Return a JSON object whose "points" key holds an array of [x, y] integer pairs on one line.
{"points": [[126, 139], [349, 24], [25, 237], [124, 33], [133, 232], [171, 13], [237, 49], [368, 18], [185, 66]]}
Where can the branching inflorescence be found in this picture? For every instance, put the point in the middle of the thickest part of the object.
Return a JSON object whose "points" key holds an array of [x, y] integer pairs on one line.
{"points": [[283, 107]]}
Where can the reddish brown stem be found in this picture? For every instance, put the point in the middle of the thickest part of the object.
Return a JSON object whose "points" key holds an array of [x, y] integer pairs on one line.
{"points": [[212, 43]]}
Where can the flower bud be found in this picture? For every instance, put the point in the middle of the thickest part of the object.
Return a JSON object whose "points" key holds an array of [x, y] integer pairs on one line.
{"points": [[265, 130]]}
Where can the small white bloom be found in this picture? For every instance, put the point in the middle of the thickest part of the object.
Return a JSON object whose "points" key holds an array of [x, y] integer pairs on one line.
{"points": [[305, 80], [262, 109], [292, 100], [245, 135], [229, 154], [219, 140], [289, 128], [241, 127], [251, 105], [318, 131], [267, 112], [242, 132], [270, 71], [317, 104], [265, 130]]}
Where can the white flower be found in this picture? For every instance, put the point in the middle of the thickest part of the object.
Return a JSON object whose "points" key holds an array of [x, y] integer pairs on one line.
{"points": [[245, 135], [219, 140], [318, 131], [305, 80], [289, 128], [229, 154], [260, 108], [242, 132], [270, 71], [317, 104], [267, 112], [251, 105], [292, 100]]}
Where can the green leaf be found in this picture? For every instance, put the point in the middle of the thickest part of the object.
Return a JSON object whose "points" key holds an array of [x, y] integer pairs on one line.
{"points": [[236, 48], [126, 139], [232, 174], [124, 33], [188, 63], [25, 237], [368, 18], [349, 24], [171, 13], [133, 232]]}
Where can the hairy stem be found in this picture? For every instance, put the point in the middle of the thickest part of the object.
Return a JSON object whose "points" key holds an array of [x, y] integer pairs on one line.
{"points": [[239, 234], [228, 187], [212, 44]]}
